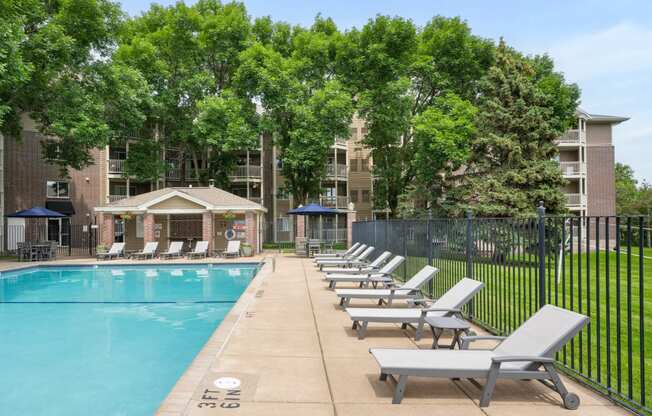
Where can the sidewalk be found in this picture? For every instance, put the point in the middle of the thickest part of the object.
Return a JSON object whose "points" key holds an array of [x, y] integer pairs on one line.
{"points": [[294, 352]]}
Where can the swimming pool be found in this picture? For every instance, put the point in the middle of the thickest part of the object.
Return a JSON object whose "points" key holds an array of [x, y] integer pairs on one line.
{"points": [[106, 340]]}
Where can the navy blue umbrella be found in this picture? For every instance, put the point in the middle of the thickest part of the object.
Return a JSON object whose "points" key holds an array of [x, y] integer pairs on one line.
{"points": [[312, 209], [36, 212]]}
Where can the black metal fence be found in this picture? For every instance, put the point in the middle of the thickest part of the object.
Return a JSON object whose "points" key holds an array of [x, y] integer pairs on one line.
{"points": [[597, 266], [78, 240]]}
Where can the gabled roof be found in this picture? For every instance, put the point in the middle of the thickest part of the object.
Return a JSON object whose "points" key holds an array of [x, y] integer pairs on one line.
{"points": [[210, 198], [600, 117]]}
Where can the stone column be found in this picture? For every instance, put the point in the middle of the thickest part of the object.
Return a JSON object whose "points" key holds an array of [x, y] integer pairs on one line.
{"points": [[207, 220], [252, 230], [107, 233], [301, 225], [148, 228], [350, 219]]}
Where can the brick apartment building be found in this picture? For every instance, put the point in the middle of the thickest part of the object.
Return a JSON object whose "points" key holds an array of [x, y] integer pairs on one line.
{"points": [[586, 158]]}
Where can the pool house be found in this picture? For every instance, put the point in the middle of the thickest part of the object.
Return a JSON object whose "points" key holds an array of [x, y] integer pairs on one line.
{"points": [[187, 214]]}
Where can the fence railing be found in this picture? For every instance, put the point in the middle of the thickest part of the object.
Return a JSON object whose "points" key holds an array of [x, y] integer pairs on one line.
{"points": [[70, 239], [596, 266]]}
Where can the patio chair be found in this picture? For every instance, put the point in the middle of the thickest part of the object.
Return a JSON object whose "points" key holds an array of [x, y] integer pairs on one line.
{"points": [[148, 252], [527, 354], [350, 255], [174, 250], [116, 251], [232, 249], [201, 250], [336, 255], [360, 260], [361, 268], [408, 290], [384, 275], [449, 304]]}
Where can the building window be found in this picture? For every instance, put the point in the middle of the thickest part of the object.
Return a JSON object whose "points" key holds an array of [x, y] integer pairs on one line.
{"points": [[354, 195], [353, 165], [140, 226], [58, 189], [366, 195], [283, 224], [364, 165]]}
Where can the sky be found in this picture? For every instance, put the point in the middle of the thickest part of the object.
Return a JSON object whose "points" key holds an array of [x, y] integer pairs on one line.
{"points": [[603, 46]]}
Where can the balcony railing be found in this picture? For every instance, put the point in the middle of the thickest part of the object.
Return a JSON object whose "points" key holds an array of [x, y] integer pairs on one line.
{"points": [[340, 169], [173, 174], [256, 199], [327, 234], [570, 137], [247, 172], [570, 169], [574, 200], [340, 142], [116, 165], [334, 201], [114, 198]]}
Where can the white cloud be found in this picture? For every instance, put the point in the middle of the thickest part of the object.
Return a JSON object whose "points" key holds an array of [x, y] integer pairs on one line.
{"points": [[621, 49]]}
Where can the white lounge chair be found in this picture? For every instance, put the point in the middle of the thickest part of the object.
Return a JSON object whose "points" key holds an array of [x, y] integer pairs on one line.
{"points": [[527, 354], [201, 250], [116, 251], [360, 260], [355, 253], [384, 275], [148, 252], [336, 255], [361, 268], [174, 250], [449, 304], [408, 290], [232, 249]]}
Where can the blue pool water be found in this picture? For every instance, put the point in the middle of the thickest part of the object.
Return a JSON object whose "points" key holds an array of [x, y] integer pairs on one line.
{"points": [[107, 340]]}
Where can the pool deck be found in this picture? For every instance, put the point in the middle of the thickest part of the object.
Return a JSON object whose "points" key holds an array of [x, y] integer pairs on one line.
{"points": [[293, 349]]}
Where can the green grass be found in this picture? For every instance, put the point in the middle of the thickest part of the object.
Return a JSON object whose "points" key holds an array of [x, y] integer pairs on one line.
{"points": [[510, 295]]}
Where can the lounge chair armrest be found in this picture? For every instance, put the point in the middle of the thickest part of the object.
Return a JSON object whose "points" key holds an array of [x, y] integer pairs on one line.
{"points": [[522, 358], [468, 339], [425, 311]]}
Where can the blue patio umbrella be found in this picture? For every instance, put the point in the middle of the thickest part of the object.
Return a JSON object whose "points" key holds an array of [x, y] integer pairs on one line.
{"points": [[312, 209], [36, 212]]}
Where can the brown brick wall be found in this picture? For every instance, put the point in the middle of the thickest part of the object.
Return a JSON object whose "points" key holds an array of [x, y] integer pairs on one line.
{"points": [[601, 180], [26, 174]]}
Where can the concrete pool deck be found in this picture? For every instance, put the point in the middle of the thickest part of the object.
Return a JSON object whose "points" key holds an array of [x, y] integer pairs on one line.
{"points": [[293, 350]]}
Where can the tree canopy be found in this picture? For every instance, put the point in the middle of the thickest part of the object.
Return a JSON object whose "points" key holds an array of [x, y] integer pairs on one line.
{"points": [[453, 120]]}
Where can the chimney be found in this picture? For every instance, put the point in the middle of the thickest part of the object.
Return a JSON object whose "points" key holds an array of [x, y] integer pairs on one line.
{"points": [[211, 183]]}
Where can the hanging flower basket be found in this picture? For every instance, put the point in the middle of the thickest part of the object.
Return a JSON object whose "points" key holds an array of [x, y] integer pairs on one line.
{"points": [[229, 216], [126, 216]]}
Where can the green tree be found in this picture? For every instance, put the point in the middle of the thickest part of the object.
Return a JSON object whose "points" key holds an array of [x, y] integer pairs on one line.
{"points": [[402, 76], [512, 164], [630, 196], [304, 105]]}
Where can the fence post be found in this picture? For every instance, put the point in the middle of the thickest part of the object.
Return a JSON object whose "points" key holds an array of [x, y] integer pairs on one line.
{"points": [[541, 213], [429, 236], [469, 244], [469, 256], [405, 254]]}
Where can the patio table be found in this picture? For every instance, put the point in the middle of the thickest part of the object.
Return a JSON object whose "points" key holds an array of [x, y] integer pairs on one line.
{"points": [[439, 324]]}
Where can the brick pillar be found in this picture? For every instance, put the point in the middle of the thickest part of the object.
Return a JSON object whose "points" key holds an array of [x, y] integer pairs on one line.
{"points": [[350, 219], [207, 219], [148, 228], [252, 230], [301, 225], [107, 233]]}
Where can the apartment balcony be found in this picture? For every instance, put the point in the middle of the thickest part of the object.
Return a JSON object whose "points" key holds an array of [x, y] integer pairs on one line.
{"points": [[115, 198], [571, 138], [327, 234], [244, 173], [572, 169], [338, 171], [334, 201], [575, 200], [340, 142], [173, 174], [116, 166]]}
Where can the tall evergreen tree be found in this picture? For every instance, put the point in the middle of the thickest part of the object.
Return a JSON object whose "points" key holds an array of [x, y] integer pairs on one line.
{"points": [[512, 166]]}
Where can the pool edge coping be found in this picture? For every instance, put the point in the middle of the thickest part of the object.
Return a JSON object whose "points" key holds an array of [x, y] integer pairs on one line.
{"points": [[180, 395]]}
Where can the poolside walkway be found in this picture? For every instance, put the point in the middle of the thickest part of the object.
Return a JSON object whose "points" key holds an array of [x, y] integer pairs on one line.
{"points": [[293, 349]]}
